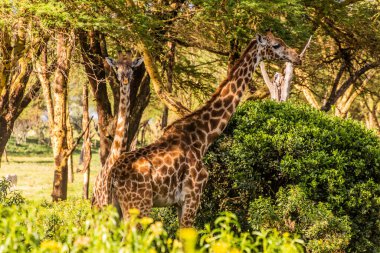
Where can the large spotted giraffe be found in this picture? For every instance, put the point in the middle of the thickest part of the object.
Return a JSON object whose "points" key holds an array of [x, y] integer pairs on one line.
{"points": [[170, 171]]}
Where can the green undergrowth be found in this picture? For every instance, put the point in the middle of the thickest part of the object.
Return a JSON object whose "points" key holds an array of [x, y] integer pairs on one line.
{"points": [[72, 226]]}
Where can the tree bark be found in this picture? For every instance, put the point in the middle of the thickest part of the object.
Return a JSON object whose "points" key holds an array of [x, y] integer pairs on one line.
{"points": [[86, 144], [139, 96], [169, 75], [59, 133], [15, 71], [56, 102], [279, 88], [338, 92], [93, 54], [70, 142]]}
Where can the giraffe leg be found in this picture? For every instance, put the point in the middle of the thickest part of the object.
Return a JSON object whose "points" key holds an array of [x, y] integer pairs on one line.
{"points": [[179, 213], [192, 192]]}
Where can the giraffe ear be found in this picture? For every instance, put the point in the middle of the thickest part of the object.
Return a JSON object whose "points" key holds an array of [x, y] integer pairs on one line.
{"points": [[111, 62], [261, 39]]}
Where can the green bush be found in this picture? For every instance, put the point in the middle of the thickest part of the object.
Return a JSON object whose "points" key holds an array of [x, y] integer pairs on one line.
{"points": [[8, 196], [71, 226], [293, 211], [271, 149]]}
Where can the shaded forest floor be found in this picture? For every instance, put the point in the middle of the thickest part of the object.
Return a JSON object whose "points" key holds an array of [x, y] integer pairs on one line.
{"points": [[33, 165]]}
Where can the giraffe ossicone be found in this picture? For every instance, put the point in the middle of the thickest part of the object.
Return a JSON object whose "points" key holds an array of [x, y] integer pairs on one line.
{"points": [[170, 171]]}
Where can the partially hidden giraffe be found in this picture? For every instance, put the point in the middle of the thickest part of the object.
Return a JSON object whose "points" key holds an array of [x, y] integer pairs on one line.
{"points": [[123, 69], [170, 171]]}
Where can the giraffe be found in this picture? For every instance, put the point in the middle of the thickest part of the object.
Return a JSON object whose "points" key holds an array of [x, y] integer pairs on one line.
{"points": [[123, 70], [170, 171]]}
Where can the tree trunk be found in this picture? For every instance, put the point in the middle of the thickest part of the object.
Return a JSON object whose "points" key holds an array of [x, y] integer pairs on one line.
{"points": [[59, 133], [93, 54], [337, 93], [70, 142], [169, 76], [57, 110], [6, 156], [345, 102], [140, 95], [86, 144], [5, 134], [371, 118], [17, 51]]}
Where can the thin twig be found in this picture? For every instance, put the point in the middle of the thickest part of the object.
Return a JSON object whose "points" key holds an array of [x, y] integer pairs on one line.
{"points": [[307, 45], [78, 139]]}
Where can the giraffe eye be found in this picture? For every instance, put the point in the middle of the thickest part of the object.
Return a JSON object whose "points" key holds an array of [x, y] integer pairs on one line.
{"points": [[276, 46]]}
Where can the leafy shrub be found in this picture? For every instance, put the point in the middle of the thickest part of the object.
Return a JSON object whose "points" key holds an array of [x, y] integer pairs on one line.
{"points": [[334, 163], [292, 211], [8, 196], [74, 227]]}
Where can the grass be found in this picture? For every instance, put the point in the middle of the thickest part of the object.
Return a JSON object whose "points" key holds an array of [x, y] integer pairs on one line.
{"points": [[33, 165]]}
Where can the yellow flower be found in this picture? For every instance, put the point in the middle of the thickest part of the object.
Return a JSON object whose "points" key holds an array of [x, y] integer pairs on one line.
{"points": [[177, 244], [145, 221], [157, 228], [134, 212], [189, 239], [220, 247], [188, 234], [52, 246]]}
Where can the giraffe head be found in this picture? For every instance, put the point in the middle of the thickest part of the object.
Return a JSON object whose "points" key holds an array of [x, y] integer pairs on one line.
{"points": [[275, 48], [122, 66]]}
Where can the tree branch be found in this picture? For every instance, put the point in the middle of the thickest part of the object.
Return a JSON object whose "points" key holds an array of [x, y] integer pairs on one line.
{"points": [[75, 144], [352, 79], [199, 46], [158, 86]]}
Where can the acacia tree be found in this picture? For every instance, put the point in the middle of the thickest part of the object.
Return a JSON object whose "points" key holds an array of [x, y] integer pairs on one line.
{"points": [[17, 85], [86, 148], [55, 93], [342, 59]]}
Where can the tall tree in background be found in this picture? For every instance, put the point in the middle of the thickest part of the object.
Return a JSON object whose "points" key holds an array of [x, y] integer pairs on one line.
{"points": [[94, 51], [17, 88], [55, 94], [86, 148], [343, 52]]}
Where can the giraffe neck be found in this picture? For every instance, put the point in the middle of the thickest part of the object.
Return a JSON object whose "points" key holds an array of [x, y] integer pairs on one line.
{"points": [[207, 123], [120, 138], [220, 108], [118, 146]]}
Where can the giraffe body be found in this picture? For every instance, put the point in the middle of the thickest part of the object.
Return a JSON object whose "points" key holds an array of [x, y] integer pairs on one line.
{"points": [[170, 171]]}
